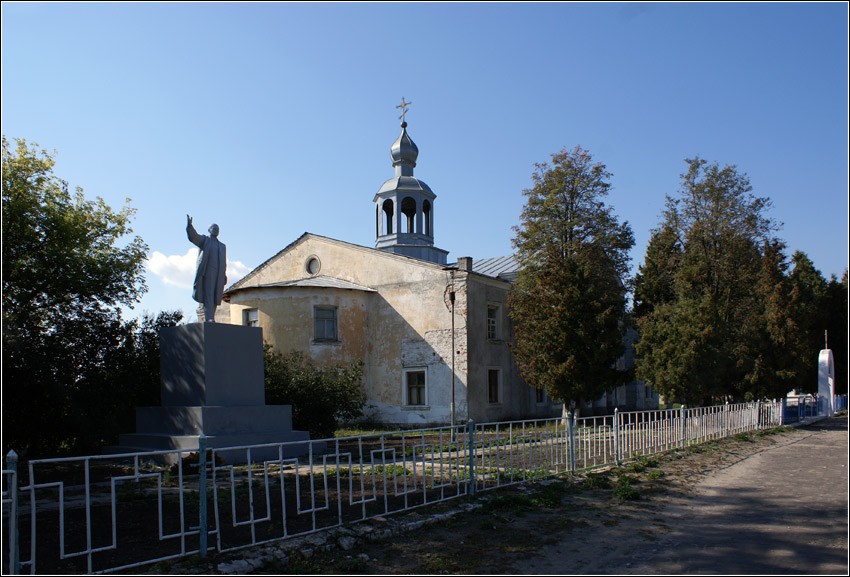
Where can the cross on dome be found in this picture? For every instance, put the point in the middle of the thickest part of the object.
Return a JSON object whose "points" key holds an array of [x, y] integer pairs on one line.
{"points": [[403, 107]]}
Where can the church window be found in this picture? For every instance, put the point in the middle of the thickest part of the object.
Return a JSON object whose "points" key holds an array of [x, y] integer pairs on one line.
{"points": [[493, 322], [539, 395], [408, 209], [415, 387], [426, 213], [494, 377], [389, 214], [251, 318], [313, 265], [325, 323]]}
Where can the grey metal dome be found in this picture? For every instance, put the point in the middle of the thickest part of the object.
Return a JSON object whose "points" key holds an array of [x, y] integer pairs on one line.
{"points": [[404, 151]]}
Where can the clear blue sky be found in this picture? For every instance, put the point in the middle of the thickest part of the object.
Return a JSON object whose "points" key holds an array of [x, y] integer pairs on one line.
{"points": [[276, 119]]}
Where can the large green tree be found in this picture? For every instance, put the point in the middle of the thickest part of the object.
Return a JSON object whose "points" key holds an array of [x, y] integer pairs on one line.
{"points": [[68, 265], [568, 302], [709, 295]]}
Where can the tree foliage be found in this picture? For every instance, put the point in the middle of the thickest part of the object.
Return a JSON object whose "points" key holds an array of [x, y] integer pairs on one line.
{"points": [[568, 302], [719, 314], [68, 357], [321, 398]]}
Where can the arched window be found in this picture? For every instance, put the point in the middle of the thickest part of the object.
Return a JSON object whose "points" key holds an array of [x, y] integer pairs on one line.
{"points": [[426, 212], [389, 212], [408, 209]]}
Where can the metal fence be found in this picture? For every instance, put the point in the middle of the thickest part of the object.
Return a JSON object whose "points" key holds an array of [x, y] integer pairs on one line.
{"points": [[114, 512]]}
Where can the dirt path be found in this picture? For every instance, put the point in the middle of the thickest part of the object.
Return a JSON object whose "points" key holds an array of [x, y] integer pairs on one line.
{"points": [[780, 509]]}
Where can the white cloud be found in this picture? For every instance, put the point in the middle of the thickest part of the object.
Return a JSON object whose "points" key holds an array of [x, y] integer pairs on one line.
{"points": [[176, 270], [179, 270], [236, 270]]}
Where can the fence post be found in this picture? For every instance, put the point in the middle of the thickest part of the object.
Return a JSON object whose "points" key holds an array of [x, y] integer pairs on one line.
{"points": [[202, 495], [14, 553], [470, 428], [682, 426], [616, 436], [572, 422]]}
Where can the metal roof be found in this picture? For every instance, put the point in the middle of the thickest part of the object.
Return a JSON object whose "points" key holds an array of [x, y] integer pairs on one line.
{"points": [[502, 267], [320, 281]]}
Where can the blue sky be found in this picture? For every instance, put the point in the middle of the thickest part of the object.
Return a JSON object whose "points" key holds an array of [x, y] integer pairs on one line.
{"points": [[274, 119]]}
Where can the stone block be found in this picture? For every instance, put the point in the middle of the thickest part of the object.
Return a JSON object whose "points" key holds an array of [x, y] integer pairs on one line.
{"points": [[211, 364]]}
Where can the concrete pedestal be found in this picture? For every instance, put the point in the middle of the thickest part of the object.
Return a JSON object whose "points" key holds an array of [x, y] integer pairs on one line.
{"points": [[213, 382]]}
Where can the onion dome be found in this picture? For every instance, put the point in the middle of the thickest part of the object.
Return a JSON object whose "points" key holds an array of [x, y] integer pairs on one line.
{"points": [[404, 153]]}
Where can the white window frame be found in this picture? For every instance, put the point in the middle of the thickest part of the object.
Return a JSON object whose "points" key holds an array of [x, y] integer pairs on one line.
{"points": [[499, 389], [251, 317], [405, 401], [494, 324], [317, 320]]}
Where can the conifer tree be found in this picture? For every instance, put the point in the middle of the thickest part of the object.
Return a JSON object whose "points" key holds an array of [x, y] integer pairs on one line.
{"points": [[707, 337], [568, 302]]}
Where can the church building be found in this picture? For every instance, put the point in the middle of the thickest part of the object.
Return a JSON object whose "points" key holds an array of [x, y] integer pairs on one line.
{"points": [[433, 336]]}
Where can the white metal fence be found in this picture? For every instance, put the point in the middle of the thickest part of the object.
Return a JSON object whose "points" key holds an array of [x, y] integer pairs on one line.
{"points": [[114, 512]]}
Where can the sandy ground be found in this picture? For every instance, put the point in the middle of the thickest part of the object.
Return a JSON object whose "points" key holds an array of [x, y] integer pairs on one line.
{"points": [[781, 508]]}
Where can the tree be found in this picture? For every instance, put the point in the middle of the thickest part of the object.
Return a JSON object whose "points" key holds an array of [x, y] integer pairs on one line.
{"points": [[568, 302], [67, 268], [704, 337], [321, 399], [836, 324]]}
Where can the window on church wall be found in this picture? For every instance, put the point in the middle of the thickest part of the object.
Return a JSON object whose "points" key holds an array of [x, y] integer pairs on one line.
{"points": [[493, 324], [251, 318], [415, 390], [426, 213], [408, 209], [494, 378], [389, 214], [325, 324], [539, 396]]}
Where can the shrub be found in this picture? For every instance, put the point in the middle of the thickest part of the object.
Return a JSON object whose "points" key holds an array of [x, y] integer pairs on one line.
{"points": [[321, 398]]}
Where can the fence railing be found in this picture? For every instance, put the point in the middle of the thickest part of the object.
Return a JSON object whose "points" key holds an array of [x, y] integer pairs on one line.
{"points": [[108, 513]]}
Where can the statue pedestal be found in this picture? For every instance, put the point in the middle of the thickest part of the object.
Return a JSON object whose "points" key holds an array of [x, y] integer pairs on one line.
{"points": [[213, 382]]}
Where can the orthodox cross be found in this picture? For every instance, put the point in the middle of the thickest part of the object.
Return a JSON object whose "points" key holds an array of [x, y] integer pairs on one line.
{"points": [[403, 107]]}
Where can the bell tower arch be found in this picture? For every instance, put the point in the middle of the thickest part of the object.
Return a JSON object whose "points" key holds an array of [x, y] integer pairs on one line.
{"points": [[405, 205]]}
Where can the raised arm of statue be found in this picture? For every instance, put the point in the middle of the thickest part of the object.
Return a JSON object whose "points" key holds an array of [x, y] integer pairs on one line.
{"points": [[193, 235]]}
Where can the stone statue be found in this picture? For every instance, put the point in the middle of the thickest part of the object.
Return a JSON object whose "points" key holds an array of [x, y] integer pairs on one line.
{"points": [[210, 277]]}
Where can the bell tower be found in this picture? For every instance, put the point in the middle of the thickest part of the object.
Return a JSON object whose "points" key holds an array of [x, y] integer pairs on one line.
{"points": [[404, 205]]}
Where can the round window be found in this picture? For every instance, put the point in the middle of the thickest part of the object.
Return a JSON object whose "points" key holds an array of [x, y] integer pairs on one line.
{"points": [[313, 265]]}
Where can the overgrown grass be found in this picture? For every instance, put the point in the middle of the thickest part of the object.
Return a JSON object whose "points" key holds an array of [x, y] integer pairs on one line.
{"points": [[773, 431], [624, 489], [597, 481]]}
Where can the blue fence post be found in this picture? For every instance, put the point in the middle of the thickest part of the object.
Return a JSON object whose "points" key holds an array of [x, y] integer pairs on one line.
{"points": [[470, 427], [202, 495], [14, 549]]}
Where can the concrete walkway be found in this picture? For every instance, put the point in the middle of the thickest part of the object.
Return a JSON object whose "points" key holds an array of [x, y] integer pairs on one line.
{"points": [[784, 510]]}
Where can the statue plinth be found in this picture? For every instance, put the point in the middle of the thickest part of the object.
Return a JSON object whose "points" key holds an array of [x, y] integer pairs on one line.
{"points": [[213, 382], [211, 364]]}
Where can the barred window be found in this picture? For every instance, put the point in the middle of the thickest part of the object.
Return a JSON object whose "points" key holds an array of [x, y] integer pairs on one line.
{"points": [[492, 322]]}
